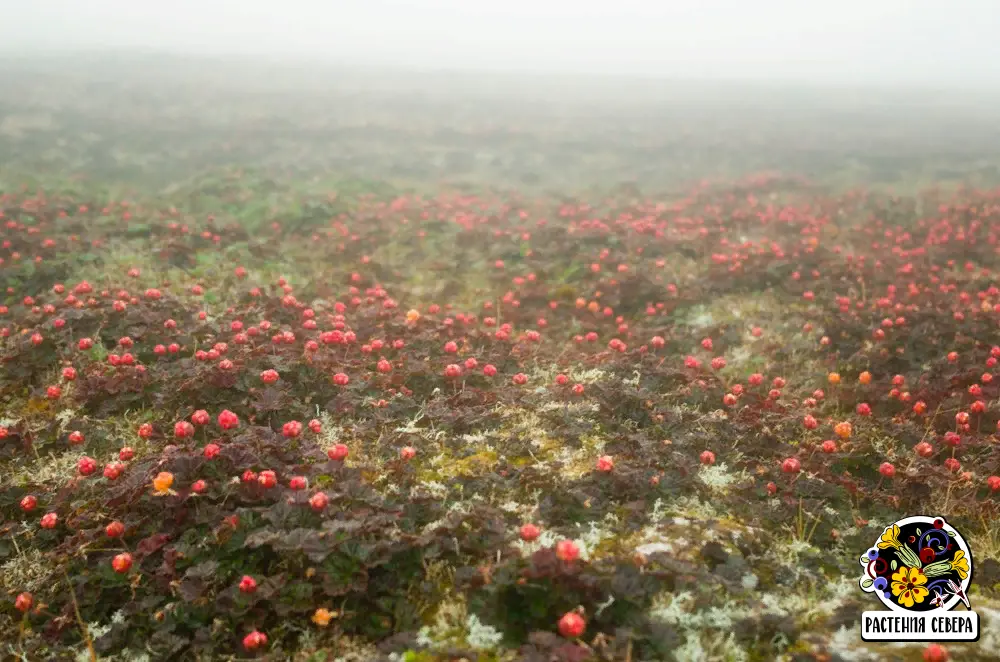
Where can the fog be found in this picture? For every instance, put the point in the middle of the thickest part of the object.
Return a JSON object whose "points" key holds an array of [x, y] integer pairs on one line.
{"points": [[851, 41]]}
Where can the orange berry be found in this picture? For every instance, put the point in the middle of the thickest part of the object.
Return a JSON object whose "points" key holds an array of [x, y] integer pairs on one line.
{"points": [[163, 481]]}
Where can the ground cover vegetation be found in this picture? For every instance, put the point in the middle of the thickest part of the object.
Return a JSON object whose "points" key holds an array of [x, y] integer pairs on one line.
{"points": [[264, 396]]}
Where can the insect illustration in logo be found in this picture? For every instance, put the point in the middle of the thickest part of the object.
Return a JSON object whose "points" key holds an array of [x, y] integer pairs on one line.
{"points": [[955, 589]]}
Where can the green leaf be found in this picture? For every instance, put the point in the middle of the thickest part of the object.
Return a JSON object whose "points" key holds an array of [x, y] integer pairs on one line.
{"points": [[867, 583], [894, 565]]}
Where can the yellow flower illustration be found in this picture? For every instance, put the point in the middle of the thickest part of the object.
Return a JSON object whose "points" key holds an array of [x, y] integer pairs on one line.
{"points": [[960, 564], [908, 586], [890, 538]]}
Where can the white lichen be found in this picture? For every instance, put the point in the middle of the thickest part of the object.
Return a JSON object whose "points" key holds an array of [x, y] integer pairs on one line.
{"points": [[595, 534], [718, 477], [711, 647], [481, 636], [573, 408], [27, 571], [707, 632], [849, 647], [63, 417], [431, 488], [454, 626]]}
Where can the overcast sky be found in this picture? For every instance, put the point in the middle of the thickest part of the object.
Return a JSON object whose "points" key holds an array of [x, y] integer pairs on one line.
{"points": [[864, 41]]}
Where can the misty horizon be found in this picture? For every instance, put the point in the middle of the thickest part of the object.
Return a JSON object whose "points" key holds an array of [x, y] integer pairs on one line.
{"points": [[884, 43]]}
